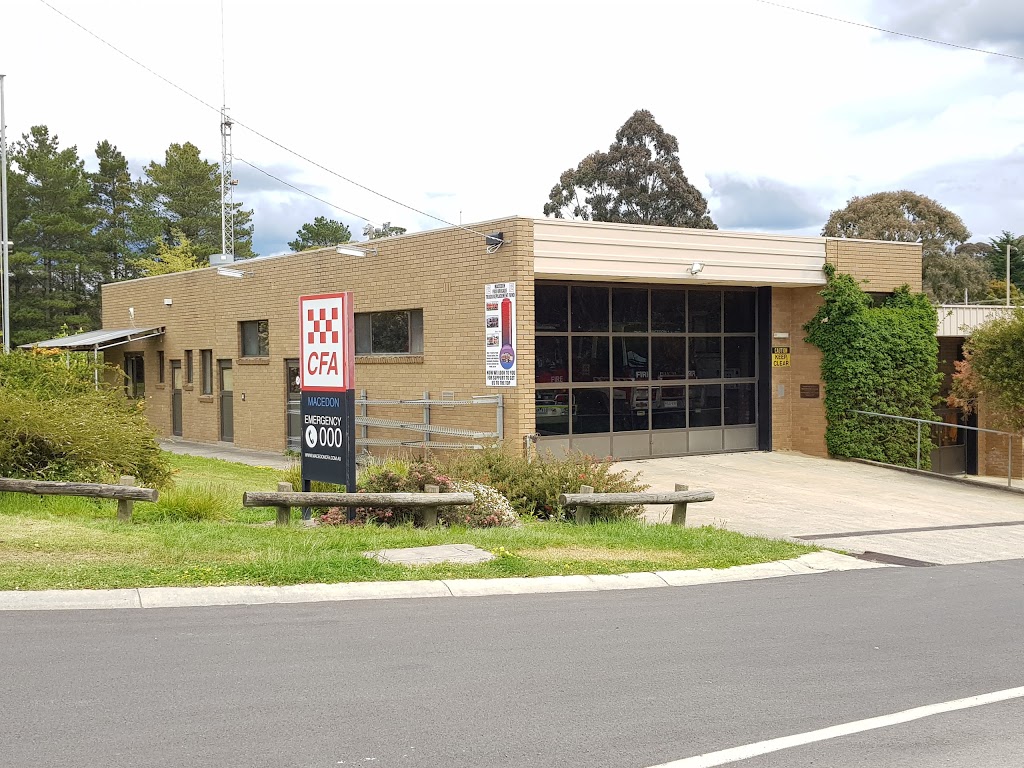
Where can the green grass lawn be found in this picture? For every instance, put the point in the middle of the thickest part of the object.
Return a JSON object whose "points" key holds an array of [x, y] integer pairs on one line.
{"points": [[65, 542]]}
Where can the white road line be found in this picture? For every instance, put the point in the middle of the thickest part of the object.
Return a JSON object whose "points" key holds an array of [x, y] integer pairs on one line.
{"points": [[735, 754]]}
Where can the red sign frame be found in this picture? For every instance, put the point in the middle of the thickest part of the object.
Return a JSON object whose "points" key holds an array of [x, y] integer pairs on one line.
{"points": [[340, 342]]}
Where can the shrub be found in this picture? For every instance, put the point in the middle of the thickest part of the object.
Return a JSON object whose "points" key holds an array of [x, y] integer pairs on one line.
{"points": [[293, 475], [56, 424], [489, 510], [533, 487], [187, 503], [879, 359]]}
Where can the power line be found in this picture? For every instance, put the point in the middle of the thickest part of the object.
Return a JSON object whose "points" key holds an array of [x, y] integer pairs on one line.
{"points": [[255, 132], [890, 31], [302, 191]]}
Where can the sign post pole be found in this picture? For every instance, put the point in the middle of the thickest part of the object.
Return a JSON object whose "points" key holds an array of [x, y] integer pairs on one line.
{"points": [[326, 380]]}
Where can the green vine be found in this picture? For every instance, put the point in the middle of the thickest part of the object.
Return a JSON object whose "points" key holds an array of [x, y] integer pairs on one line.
{"points": [[882, 359]]}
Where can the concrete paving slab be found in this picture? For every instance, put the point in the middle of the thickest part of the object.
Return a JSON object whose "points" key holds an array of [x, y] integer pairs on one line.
{"points": [[441, 553], [784, 495]]}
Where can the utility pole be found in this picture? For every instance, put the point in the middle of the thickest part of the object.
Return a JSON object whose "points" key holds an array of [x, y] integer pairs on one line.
{"points": [[1008, 247], [5, 266]]}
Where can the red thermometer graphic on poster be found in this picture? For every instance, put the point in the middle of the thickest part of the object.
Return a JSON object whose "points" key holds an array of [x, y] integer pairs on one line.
{"points": [[500, 334]]}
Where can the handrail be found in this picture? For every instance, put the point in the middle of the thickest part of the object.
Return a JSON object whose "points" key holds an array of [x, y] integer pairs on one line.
{"points": [[919, 422]]}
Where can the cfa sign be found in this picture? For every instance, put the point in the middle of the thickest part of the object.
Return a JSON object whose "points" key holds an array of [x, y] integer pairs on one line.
{"points": [[327, 343]]}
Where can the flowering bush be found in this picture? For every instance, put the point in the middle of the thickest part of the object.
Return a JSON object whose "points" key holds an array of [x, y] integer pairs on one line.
{"points": [[489, 510]]}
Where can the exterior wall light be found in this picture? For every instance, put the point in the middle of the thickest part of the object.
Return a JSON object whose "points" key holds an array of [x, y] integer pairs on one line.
{"points": [[347, 250], [696, 268]]}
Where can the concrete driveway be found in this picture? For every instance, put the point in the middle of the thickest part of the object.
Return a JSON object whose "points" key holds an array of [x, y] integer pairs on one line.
{"points": [[845, 505]]}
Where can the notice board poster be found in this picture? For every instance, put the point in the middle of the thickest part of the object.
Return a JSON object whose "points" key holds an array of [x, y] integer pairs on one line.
{"points": [[500, 334]]}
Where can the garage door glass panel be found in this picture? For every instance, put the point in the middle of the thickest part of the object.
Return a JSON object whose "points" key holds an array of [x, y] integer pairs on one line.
{"points": [[705, 358], [629, 310], [590, 411], [668, 311], [552, 307], [630, 358], [552, 359], [668, 407], [631, 409], [705, 311], [589, 309], [740, 313], [590, 358], [739, 357], [705, 405], [739, 404], [668, 357], [552, 411]]}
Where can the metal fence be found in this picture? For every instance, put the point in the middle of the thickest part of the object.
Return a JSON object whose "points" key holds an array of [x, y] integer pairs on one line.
{"points": [[429, 435], [944, 424]]}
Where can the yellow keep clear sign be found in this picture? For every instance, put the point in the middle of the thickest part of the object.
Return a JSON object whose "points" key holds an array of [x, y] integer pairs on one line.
{"points": [[780, 357]]}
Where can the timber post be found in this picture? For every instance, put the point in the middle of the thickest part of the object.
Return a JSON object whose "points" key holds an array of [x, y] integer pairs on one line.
{"points": [[124, 506]]}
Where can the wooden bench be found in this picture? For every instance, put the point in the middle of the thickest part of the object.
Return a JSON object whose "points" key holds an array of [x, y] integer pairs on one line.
{"points": [[285, 498], [586, 500], [125, 492]]}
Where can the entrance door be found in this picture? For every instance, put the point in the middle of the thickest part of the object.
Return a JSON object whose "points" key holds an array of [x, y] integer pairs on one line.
{"points": [[227, 409], [176, 397], [293, 404]]}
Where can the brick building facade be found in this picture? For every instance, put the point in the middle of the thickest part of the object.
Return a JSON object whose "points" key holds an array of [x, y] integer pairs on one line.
{"points": [[233, 337]]}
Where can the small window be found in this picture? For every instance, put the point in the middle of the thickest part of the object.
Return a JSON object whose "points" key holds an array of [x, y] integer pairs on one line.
{"points": [[390, 333], [135, 375], [206, 361], [160, 367], [188, 366], [255, 338]]}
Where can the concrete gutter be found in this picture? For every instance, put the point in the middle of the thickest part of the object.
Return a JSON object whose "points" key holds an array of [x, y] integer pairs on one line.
{"points": [[192, 597]]}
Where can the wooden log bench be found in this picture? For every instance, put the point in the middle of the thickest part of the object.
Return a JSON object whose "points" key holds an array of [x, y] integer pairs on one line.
{"points": [[285, 498], [125, 492], [586, 500]]}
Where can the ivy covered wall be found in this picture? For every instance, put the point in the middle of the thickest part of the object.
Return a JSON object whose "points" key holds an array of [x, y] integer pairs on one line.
{"points": [[876, 358]]}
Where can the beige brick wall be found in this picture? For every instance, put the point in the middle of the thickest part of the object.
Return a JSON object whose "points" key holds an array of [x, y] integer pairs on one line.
{"points": [[443, 272], [798, 423], [884, 266]]}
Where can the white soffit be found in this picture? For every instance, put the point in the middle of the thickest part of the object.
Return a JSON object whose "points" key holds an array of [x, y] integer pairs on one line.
{"points": [[636, 253]]}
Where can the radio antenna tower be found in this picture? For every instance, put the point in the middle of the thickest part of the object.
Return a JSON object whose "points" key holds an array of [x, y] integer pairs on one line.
{"points": [[227, 180]]}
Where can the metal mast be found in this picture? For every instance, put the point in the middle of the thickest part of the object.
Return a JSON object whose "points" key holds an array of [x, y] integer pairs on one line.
{"points": [[227, 186], [227, 180]]}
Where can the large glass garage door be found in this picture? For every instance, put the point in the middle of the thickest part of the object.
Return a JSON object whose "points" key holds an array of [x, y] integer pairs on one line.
{"points": [[632, 371]]}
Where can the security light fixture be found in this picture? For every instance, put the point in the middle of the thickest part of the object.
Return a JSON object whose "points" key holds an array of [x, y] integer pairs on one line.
{"points": [[229, 272], [494, 241], [347, 250], [696, 268]]}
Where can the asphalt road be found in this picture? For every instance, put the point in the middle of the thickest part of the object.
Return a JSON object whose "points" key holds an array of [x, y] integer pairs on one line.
{"points": [[632, 678]]}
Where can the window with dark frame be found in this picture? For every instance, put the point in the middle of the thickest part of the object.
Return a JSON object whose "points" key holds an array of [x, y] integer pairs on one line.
{"points": [[160, 366], [188, 366], [135, 375], [255, 338], [389, 333], [206, 364]]}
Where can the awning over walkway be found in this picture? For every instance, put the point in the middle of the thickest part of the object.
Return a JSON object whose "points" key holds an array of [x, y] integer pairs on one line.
{"points": [[96, 341]]}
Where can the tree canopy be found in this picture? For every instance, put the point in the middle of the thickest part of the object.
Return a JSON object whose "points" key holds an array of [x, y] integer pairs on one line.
{"points": [[184, 193], [639, 180], [386, 229], [993, 369], [321, 233], [169, 258], [997, 259], [902, 216]]}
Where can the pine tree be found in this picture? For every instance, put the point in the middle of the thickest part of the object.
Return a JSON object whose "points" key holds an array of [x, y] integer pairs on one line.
{"points": [[184, 193], [56, 266], [124, 228]]}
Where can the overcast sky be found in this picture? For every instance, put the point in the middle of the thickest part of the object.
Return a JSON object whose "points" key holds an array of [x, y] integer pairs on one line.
{"points": [[473, 109]]}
